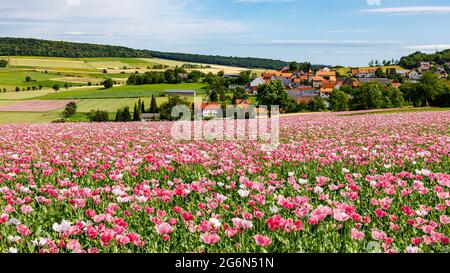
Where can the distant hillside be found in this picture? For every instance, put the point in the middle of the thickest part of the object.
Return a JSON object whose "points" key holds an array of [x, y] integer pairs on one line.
{"points": [[35, 47], [414, 59]]}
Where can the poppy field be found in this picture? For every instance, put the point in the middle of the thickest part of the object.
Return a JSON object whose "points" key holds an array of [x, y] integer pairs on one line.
{"points": [[355, 184]]}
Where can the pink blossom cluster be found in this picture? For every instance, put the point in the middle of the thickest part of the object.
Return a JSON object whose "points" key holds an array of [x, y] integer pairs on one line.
{"points": [[369, 183]]}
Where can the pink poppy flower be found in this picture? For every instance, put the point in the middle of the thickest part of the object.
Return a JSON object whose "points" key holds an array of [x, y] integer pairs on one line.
{"points": [[23, 230], [378, 235], [164, 228], [445, 219], [262, 241], [357, 235], [210, 238], [26, 209]]}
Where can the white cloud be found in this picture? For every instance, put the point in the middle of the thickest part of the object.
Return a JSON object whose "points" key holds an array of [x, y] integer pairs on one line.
{"points": [[328, 43], [261, 1], [148, 23], [410, 10], [435, 47], [374, 2], [339, 31], [73, 3]]}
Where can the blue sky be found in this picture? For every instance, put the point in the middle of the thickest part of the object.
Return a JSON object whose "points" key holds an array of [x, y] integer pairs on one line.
{"points": [[345, 32]]}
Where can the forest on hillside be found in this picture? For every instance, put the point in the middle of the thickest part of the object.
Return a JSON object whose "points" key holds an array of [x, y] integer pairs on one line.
{"points": [[414, 59], [35, 47]]}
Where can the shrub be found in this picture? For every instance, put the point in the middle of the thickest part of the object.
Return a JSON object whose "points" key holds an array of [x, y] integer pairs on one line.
{"points": [[98, 116], [71, 109], [3, 63], [123, 115], [108, 83]]}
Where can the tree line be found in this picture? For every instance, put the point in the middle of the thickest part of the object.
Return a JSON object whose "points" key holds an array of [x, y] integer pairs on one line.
{"points": [[416, 58], [37, 47], [169, 76]]}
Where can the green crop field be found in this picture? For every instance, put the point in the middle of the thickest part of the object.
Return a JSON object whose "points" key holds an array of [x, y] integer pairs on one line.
{"points": [[78, 72], [111, 105], [23, 95], [10, 78], [126, 91], [20, 117]]}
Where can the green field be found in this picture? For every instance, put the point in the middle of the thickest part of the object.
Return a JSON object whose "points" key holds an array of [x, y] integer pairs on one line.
{"points": [[23, 95], [20, 117], [10, 78], [78, 72], [126, 91]]}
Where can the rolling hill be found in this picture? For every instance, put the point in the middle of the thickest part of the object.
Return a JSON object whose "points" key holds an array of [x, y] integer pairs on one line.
{"points": [[46, 48]]}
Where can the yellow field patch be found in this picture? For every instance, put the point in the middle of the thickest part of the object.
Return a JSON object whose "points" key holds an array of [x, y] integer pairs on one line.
{"points": [[31, 62], [213, 68], [78, 79], [108, 65]]}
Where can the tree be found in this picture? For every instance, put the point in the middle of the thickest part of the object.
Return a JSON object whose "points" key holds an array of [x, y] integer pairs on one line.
{"points": [[213, 96], [195, 75], [338, 101], [123, 115], [244, 77], [294, 66], [317, 104], [70, 110], [108, 83], [397, 98], [66, 85], [154, 106], [273, 93], [166, 108], [239, 94], [56, 87], [368, 96], [137, 115], [430, 87], [28, 79], [380, 73], [142, 105], [3, 63]]}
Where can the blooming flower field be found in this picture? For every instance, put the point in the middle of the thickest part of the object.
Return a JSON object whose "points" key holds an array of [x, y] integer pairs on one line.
{"points": [[376, 183]]}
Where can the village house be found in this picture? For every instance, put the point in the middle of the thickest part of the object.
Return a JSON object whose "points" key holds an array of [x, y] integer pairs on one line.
{"points": [[383, 81], [302, 96], [236, 86], [327, 74], [211, 110], [255, 84], [424, 66], [369, 72], [403, 72], [231, 76], [396, 84], [441, 73], [317, 81], [183, 76], [415, 75], [146, 117]]}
